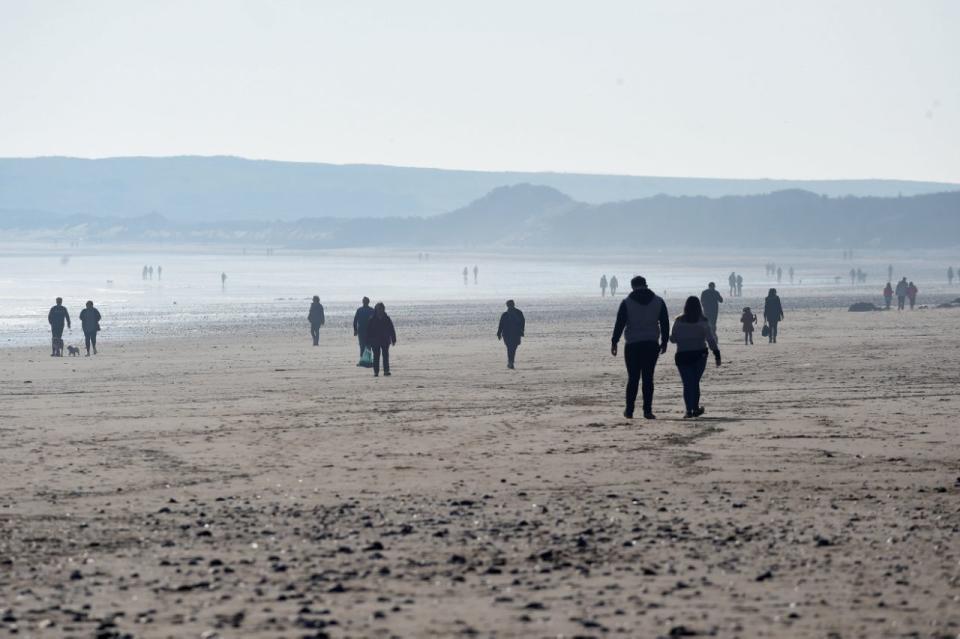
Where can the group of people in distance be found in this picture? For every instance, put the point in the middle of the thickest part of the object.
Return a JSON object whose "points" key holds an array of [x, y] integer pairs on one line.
{"points": [[736, 284], [59, 317], [613, 284], [904, 291]]}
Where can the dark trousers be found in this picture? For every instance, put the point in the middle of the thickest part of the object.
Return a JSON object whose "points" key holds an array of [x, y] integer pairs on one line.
{"points": [[641, 359], [362, 345], [690, 374], [90, 339], [888, 300], [315, 333], [377, 351], [57, 337], [773, 331], [900, 302], [511, 352]]}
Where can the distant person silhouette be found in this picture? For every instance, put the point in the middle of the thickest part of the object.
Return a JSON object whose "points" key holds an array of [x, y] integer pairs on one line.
{"points": [[381, 335], [510, 330], [748, 320], [159, 272], [360, 320], [223, 281], [603, 286], [643, 320], [614, 284], [779, 275], [950, 275], [790, 272], [476, 273], [739, 285], [912, 291], [772, 313], [888, 295], [691, 333], [853, 276], [150, 272], [466, 274], [316, 319], [890, 273], [710, 300], [57, 317], [733, 284], [90, 321], [901, 292], [144, 272]]}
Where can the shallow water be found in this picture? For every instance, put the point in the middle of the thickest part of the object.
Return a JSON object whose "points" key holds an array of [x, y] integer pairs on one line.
{"points": [[273, 289]]}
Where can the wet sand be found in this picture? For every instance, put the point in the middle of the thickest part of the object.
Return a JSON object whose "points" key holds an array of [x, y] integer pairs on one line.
{"points": [[246, 484]]}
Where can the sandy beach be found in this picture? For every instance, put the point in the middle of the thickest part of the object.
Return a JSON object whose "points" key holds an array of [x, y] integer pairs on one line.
{"points": [[243, 483]]}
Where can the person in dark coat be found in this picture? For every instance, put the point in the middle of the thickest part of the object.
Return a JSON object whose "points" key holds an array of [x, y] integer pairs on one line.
{"points": [[512, 325], [380, 337], [90, 321], [710, 300], [772, 313], [360, 320], [316, 319], [57, 317]]}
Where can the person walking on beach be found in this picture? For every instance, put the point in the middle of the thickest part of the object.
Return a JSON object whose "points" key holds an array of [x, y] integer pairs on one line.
{"points": [[510, 330], [748, 320], [90, 321], [887, 295], [223, 281], [739, 285], [711, 300], [603, 286], [476, 273], [772, 313], [57, 317], [381, 335], [790, 272], [950, 275], [466, 274], [733, 284], [613, 285], [643, 319], [779, 274], [159, 272], [316, 319], [901, 294], [691, 333], [912, 291], [890, 272], [360, 320]]}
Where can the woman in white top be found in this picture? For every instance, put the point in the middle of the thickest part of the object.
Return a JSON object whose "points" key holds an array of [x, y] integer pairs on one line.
{"points": [[691, 333]]}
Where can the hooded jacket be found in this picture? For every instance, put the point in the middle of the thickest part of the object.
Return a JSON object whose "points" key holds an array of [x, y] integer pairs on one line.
{"points": [[316, 314], [642, 317]]}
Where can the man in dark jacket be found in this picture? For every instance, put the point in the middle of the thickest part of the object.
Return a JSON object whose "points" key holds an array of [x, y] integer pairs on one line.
{"points": [[360, 319], [644, 321], [512, 324], [380, 337], [710, 300], [57, 317], [316, 319], [90, 321]]}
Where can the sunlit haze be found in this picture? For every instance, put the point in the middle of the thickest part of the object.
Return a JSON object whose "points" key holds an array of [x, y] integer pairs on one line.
{"points": [[800, 90]]}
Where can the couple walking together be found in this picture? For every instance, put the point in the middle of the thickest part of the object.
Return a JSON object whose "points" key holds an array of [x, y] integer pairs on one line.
{"points": [[644, 322]]}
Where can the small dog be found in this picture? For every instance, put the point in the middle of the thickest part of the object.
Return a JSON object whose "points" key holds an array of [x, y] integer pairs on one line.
{"points": [[73, 351], [58, 348]]}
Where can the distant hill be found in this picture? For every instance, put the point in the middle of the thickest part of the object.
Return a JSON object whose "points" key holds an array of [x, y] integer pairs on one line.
{"points": [[540, 217], [218, 189]]}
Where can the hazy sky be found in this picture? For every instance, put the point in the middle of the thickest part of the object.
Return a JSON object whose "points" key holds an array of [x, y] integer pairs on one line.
{"points": [[791, 89]]}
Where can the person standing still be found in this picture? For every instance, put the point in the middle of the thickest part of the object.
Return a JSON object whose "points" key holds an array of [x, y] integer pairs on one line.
{"points": [[57, 317], [381, 335], [510, 330], [360, 320], [643, 319], [90, 321], [711, 300], [901, 294], [316, 319], [614, 285], [603, 286]]}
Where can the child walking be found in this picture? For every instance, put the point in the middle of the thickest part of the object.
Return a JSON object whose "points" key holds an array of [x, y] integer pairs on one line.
{"points": [[748, 319]]}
